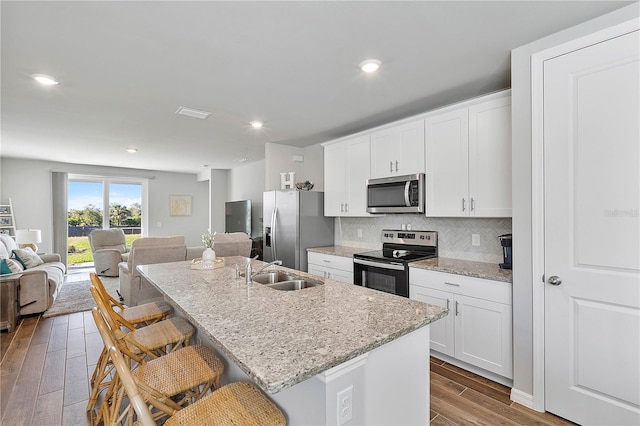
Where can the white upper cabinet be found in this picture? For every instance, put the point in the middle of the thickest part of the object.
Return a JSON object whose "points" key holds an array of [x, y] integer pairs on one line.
{"points": [[346, 170], [468, 160], [398, 150]]}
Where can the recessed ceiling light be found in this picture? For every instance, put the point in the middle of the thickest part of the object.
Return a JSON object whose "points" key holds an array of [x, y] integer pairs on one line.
{"points": [[370, 65], [257, 124], [45, 79], [132, 150], [195, 113]]}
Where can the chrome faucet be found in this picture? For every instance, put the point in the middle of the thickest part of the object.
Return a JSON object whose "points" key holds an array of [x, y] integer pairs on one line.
{"points": [[275, 262]]}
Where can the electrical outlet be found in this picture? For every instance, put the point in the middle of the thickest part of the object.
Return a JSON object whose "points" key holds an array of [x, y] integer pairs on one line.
{"points": [[345, 405], [475, 239], [359, 233], [159, 224]]}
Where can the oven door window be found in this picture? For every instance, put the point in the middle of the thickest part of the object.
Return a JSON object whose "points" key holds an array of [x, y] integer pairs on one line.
{"points": [[387, 280]]}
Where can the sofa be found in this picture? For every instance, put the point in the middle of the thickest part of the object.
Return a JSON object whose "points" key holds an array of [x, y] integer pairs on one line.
{"points": [[149, 250], [39, 285], [109, 248]]}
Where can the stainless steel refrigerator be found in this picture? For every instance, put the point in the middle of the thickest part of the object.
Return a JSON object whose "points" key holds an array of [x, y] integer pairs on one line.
{"points": [[292, 222]]}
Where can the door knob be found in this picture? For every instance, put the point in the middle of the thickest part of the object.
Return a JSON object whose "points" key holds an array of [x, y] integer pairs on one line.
{"points": [[555, 280]]}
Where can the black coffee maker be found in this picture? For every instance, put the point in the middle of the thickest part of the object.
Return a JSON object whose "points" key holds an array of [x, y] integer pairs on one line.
{"points": [[505, 242]]}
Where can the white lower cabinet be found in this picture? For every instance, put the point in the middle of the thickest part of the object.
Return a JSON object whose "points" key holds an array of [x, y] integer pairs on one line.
{"points": [[478, 327], [337, 268]]}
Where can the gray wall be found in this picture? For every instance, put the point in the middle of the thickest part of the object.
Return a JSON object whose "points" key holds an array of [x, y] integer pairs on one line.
{"points": [[247, 183], [522, 166], [279, 159], [28, 184]]}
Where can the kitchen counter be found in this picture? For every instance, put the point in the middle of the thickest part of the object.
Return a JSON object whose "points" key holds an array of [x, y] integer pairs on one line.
{"points": [[487, 271], [281, 338], [342, 251]]}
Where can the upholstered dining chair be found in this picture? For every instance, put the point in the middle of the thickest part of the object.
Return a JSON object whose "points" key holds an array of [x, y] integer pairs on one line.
{"points": [[109, 248]]}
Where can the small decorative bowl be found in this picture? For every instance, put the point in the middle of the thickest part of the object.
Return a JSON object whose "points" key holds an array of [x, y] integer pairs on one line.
{"points": [[304, 186]]}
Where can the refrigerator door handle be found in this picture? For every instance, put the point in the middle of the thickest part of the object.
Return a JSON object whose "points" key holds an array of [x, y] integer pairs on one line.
{"points": [[274, 233]]}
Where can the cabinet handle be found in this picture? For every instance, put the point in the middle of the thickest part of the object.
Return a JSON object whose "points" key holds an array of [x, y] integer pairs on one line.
{"points": [[396, 165], [346, 207], [456, 308], [329, 275], [341, 207], [453, 284], [391, 166], [464, 204], [325, 260], [473, 204], [448, 304]]}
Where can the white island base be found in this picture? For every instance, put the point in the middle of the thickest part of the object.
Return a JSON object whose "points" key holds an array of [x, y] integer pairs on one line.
{"points": [[390, 386]]}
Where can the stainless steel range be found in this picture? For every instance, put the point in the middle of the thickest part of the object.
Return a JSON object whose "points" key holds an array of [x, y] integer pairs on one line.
{"points": [[388, 269]]}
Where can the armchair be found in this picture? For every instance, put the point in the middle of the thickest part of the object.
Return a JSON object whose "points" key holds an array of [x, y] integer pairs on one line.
{"points": [[109, 248]]}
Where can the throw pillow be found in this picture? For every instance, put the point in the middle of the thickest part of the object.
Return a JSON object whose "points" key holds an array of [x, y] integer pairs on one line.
{"points": [[15, 266], [27, 257], [4, 267]]}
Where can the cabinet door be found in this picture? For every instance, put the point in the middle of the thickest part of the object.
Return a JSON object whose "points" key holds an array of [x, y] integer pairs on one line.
{"points": [[384, 152], [490, 158], [334, 180], [483, 334], [340, 275], [317, 270], [357, 173], [447, 142], [442, 331], [411, 138], [398, 150]]}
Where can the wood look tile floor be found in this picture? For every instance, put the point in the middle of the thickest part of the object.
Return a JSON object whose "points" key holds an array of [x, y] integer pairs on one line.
{"points": [[46, 364]]}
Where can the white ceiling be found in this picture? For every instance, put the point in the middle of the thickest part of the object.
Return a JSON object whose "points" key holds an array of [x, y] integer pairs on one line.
{"points": [[125, 68]]}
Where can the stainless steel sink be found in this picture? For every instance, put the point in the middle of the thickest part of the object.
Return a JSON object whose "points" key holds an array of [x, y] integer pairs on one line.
{"points": [[291, 285], [272, 277], [280, 280]]}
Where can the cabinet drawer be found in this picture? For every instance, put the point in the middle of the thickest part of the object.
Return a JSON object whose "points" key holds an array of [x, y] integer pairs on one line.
{"points": [[330, 261], [496, 291]]}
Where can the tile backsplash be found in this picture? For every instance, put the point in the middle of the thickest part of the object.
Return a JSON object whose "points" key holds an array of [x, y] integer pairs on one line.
{"points": [[454, 234]]}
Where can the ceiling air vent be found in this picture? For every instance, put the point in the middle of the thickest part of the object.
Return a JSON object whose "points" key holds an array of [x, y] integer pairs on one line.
{"points": [[190, 112]]}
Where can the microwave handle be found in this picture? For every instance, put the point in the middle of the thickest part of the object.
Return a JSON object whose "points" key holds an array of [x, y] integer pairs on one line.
{"points": [[407, 201]]}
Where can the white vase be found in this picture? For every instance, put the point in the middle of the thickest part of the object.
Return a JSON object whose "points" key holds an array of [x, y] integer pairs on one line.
{"points": [[209, 255]]}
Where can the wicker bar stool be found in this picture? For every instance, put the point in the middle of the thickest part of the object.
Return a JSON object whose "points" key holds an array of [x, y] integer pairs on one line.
{"points": [[138, 316], [145, 314], [237, 403], [176, 379], [146, 342]]}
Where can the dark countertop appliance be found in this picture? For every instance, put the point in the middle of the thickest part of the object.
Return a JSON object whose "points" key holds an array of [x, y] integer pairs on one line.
{"points": [[388, 269], [505, 242]]}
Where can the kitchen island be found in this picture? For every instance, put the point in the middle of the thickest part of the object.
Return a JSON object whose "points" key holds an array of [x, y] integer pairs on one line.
{"points": [[313, 350]]}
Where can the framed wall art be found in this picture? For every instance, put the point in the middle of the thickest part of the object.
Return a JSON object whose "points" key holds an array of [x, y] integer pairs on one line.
{"points": [[180, 205]]}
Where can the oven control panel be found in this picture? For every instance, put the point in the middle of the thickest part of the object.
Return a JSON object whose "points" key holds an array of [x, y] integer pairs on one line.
{"points": [[421, 238]]}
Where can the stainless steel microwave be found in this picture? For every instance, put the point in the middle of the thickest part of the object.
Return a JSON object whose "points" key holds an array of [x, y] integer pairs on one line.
{"points": [[396, 194]]}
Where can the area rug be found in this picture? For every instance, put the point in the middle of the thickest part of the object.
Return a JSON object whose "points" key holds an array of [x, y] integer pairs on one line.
{"points": [[76, 297]]}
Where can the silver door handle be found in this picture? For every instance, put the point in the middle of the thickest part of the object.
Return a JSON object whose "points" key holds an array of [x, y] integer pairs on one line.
{"points": [[464, 204], [473, 204], [555, 280], [456, 308], [396, 165], [346, 207], [453, 284], [391, 166], [448, 304]]}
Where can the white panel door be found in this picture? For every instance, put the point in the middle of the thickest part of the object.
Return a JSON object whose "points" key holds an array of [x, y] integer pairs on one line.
{"points": [[592, 233], [447, 166], [334, 180], [490, 158]]}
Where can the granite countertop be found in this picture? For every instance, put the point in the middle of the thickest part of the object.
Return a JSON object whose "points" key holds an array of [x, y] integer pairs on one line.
{"points": [[488, 271], [342, 251], [281, 338]]}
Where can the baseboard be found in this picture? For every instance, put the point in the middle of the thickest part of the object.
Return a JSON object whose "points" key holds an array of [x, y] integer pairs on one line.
{"points": [[522, 398]]}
